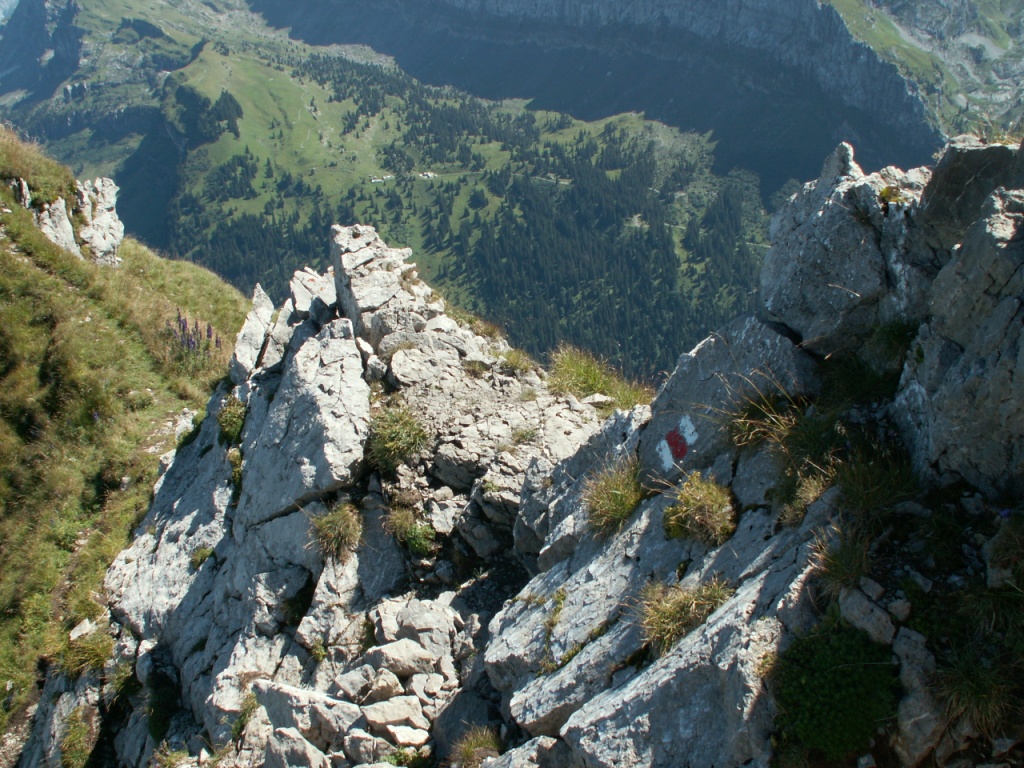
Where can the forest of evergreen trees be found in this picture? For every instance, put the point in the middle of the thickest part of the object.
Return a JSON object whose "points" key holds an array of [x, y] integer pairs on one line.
{"points": [[588, 238]]}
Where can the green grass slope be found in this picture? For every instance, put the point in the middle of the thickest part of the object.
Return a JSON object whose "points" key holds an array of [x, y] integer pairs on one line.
{"points": [[91, 378]]}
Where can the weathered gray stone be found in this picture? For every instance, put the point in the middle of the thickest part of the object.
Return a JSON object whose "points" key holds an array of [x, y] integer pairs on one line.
{"points": [[959, 399], [102, 230], [757, 473], [920, 721], [361, 747], [966, 174], [249, 341], [53, 221], [320, 719], [404, 736], [401, 710], [541, 752], [287, 749], [314, 295], [385, 685], [312, 441], [688, 417], [354, 684], [866, 615], [838, 265], [403, 657], [431, 625]]}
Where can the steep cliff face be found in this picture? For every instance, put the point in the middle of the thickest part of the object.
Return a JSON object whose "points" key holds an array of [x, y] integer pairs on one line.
{"points": [[42, 46], [787, 72], [387, 528], [806, 34]]}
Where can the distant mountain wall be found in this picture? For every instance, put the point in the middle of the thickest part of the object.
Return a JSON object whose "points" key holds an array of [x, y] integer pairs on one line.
{"points": [[780, 82]]}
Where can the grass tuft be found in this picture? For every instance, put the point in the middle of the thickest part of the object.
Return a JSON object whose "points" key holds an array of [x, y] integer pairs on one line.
{"points": [[611, 496], [78, 742], [338, 532], [703, 510], [577, 372], [516, 362], [247, 709], [669, 612], [840, 558], [980, 692], [200, 556], [86, 654], [415, 536], [476, 745], [231, 419], [395, 436]]}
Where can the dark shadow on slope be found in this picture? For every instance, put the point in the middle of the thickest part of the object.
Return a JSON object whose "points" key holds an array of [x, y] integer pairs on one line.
{"points": [[766, 116]]}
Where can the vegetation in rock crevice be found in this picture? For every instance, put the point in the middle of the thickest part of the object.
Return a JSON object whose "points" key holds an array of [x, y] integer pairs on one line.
{"points": [[612, 495], [669, 612], [338, 531], [395, 436]]}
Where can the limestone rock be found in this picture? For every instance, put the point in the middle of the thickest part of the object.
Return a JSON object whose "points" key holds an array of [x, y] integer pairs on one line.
{"points": [[287, 749], [312, 441], [688, 416], [965, 175], [401, 710], [385, 685], [837, 255], [920, 721], [103, 230], [361, 747], [53, 221], [249, 341], [403, 657], [319, 719], [865, 615], [541, 752], [958, 404]]}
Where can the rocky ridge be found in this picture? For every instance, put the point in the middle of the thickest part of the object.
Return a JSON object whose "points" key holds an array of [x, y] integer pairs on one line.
{"points": [[520, 615]]}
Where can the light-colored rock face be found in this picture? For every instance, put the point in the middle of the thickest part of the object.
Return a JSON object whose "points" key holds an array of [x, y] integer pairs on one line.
{"points": [[224, 585], [54, 222], [689, 416], [838, 266], [101, 231], [961, 393], [224, 593]]}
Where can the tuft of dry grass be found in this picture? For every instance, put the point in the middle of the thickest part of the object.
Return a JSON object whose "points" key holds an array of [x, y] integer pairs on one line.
{"points": [[612, 495], [577, 372], [703, 510], [669, 612], [339, 531]]}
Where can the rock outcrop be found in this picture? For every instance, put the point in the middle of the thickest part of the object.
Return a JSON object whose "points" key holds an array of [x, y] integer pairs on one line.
{"points": [[100, 232], [479, 592]]}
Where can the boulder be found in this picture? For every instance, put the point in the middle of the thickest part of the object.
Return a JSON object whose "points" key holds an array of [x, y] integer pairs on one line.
{"points": [[401, 710], [53, 221], [837, 266], [967, 172], [287, 749], [320, 719], [688, 429], [403, 657]]}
